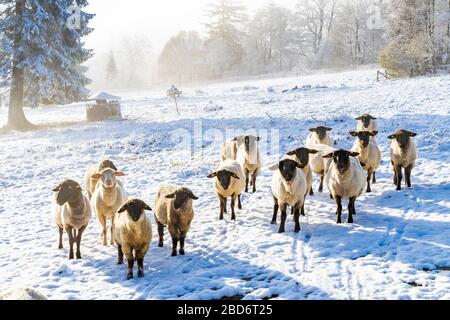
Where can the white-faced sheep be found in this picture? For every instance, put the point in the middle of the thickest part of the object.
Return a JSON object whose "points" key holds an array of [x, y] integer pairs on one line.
{"points": [[345, 180], [174, 210], [302, 155], [403, 155], [72, 212], [22, 294], [319, 137], [369, 154], [108, 198], [249, 157], [91, 182], [289, 188], [366, 123], [133, 234], [228, 182]]}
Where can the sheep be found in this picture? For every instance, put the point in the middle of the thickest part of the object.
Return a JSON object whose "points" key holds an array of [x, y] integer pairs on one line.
{"points": [[366, 123], [403, 155], [108, 197], [72, 212], [345, 180], [133, 234], [369, 154], [289, 187], [89, 181], [301, 155], [228, 182], [249, 157], [22, 294], [174, 211], [229, 150], [319, 136]]}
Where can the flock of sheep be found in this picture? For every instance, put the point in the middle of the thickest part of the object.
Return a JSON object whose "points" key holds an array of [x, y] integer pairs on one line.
{"points": [[347, 175]]}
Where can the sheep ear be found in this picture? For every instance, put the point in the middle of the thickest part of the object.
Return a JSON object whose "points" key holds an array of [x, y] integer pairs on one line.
{"points": [[300, 166], [328, 129], [392, 136], [312, 151], [79, 188], [291, 153], [120, 174], [412, 134], [193, 196], [273, 167], [353, 133], [373, 118], [212, 175], [146, 207], [123, 209], [312, 129], [328, 156], [96, 176], [57, 189], [374, 133], [353, 154], [359, 118], [258, 138], [235, 176], [170, 196]]}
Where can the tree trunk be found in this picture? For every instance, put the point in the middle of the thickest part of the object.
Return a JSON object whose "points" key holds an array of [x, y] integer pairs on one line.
{"points": [[16, 115]]}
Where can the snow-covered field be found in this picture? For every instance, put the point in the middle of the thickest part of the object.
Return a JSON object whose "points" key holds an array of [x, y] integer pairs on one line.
{"points": [[398, 247]]}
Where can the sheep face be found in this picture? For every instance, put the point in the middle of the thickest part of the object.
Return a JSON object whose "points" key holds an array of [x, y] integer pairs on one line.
{"points": [[288, 169], [366, 119], [321, 132], [302, 155], [341, 159], [68, 191], [363, 137], [135, 209], [224, 177], [107, 164], [403, 137], [181, 197], [108, 177]]}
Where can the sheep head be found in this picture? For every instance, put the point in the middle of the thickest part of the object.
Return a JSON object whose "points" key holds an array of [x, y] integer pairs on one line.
{"points": [[341, 159], [224, 177], [135, 209], [302, 154], [288, 168], [403, 137], [68, 191], [363, 137], [321, 132], [181, 197], [366, 120], [108, 177]]}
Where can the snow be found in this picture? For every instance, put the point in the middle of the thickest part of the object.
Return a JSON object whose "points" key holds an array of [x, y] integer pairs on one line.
{"points": [[398, 247]]}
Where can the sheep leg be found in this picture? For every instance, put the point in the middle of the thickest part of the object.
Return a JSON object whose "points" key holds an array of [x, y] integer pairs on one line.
{"points": [[283, 218], [369, 176], [222, 206], [233, 205], [174, 246], [225, 206], [140, 254], [303, 210], [247, 180], [311, 191], [254, 176], [408, 171], [297, 218], [322, 177], [160, 233], [275, 210], [61, 231], [69, 231], [398, 170], [351, 209], [182, 238], [395, 173], [119, 255], [374, 179], [239, 202], [339, 209], [140, 268], [128, 251], [112, 230], [79, 235], [102, 221]]}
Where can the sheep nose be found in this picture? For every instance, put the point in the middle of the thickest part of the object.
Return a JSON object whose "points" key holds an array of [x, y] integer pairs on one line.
{"points": [[108, 181]]}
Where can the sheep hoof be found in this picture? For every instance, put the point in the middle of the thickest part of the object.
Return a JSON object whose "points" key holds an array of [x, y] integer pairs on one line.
{"points": [[130, 276], [339, 221], [399, 188], [78, 255], [182, 252], [311, 193], [71, 257], [60, 247], [297, 229], [160, 245], [281, 230], [369, 190], [120, 262], [174, 254], [350, 221], [141, 274], [273, 222]]}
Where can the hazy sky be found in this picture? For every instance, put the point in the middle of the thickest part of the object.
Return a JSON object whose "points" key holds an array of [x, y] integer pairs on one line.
{"points": [[158, 19]]}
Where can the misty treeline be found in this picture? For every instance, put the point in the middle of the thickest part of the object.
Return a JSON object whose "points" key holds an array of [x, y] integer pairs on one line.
{"points": [[412, 37]]}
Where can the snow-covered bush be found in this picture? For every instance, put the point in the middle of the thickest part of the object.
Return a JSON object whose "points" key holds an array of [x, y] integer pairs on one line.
{"points": [[175, 94]]}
